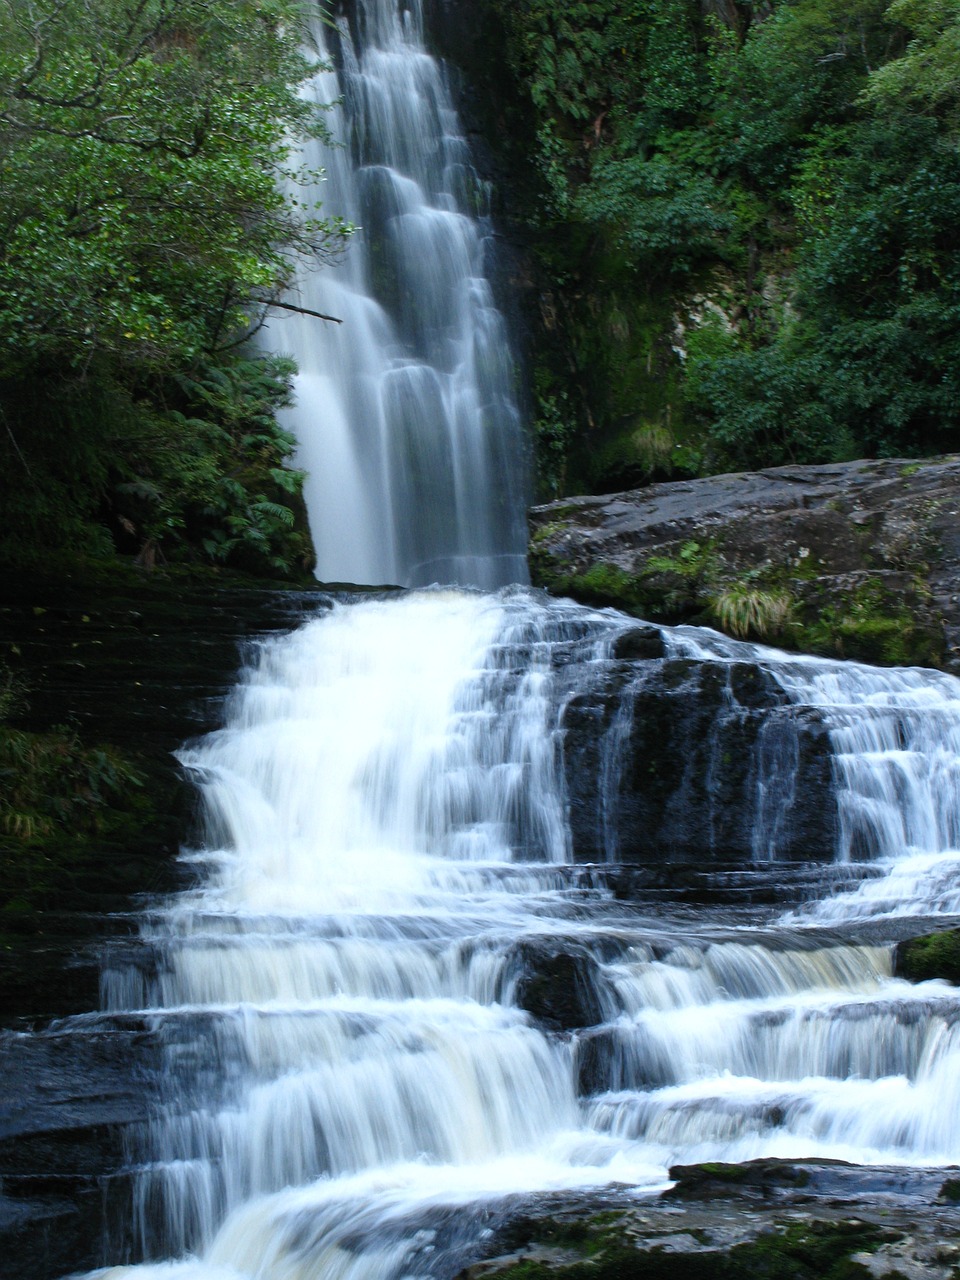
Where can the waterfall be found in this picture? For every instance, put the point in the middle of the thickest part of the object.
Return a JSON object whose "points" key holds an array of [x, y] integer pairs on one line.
{"points": [[390, 1004], [896, 758], [406, 413], [351, 1079]]}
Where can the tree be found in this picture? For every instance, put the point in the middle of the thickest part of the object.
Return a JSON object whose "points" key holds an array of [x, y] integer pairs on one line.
{"points": [[144, 230], [142, 141]]}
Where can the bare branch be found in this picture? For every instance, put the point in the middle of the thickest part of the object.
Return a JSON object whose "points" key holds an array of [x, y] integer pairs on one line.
{"points": [[303, 311]]}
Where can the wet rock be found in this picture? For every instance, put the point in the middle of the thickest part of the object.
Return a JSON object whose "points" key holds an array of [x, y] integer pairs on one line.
{"points": [[802, 1220], [638, 643], [560, 985], [683, 761], [141, 664], [935, 955]]}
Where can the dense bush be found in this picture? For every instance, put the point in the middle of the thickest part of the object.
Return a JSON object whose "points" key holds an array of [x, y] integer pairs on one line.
{"points": [[744, 218], [142, 233]]}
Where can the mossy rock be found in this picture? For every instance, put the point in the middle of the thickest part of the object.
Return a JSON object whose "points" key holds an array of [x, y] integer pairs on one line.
{"points": [[797, 1251], [935, 955]]}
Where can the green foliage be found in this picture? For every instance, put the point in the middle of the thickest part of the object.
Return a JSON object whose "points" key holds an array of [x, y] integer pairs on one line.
{"points": [[744, 609], [693, 560], [139, 208], [196, 467], [58, 798], [782, 181], [665, 215], [144, 233], [553, 428]]}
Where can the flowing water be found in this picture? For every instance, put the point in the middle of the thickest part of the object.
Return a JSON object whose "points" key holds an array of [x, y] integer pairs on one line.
{"points": [[349, 1083], [406, 415], [354, 1070]]}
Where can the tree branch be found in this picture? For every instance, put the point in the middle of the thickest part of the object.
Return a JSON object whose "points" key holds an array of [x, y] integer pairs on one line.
{"points": [[303, 311]]}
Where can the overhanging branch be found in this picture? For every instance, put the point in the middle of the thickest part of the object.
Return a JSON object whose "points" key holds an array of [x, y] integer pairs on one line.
{"points": [[303, 311]]}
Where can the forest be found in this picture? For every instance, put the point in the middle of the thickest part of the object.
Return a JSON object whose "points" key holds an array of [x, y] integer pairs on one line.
{"points": [[144, 235], [739, 220], [743, 218]]}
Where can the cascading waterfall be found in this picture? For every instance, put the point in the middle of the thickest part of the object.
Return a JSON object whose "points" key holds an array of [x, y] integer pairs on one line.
{"points": [[406, 415], [896, 751], [351, 1077]]}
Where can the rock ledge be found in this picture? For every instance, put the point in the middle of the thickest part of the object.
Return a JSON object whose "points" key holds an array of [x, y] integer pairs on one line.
{"points": [[856, 559]]}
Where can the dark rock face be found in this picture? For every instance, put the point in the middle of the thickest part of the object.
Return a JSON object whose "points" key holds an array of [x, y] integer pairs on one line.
{"points": [[560, 985], [672, 760], [858, 559], [142, 665]]}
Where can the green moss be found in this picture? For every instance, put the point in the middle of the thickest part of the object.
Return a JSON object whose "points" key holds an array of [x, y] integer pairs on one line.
{"points": [[807, 1251], [607, 585], [936, 955], [725, 1172], [547, 531], [873, 625]]}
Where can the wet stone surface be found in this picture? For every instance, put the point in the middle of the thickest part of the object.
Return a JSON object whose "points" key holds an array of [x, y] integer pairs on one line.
{"points": [[794, 1220]]}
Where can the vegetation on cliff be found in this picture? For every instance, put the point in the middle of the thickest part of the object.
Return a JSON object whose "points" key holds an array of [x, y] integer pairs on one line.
{"points": [[143, 234], [744, 216]]}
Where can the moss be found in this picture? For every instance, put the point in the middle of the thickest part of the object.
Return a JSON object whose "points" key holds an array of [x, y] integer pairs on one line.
{"points": [[936, 955], [798, 1251], [786, 603], [872, 625], [607, 585], [725, 1172], [547, 531]]}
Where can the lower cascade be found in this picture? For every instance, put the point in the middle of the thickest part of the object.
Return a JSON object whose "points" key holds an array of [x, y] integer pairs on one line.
{"points": [[394, 1001]]}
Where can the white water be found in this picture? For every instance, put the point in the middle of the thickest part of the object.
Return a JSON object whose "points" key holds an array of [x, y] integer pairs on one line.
{"points": [[406, 415], [347, 1078], [895, 737], [348, 1087]]}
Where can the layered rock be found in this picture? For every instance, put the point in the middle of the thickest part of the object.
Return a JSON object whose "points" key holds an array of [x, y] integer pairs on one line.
{"points": [[671, 760], [857, 559], [799, 1220]]}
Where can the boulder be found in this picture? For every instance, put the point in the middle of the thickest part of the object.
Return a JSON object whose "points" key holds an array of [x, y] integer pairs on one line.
{"points": [[935, 955], [682, 761], [560, 984], [855, 559]]}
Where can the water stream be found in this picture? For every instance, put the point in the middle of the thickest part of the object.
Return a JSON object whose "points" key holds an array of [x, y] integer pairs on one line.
{"points": [[406, 414], [352, 1077], [348, 1083]]}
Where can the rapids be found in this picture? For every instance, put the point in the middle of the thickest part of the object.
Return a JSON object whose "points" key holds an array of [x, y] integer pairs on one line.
{"points": [[349, 1085], [350, 1077]]}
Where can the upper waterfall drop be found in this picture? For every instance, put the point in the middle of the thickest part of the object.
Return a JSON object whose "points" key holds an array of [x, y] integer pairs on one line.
{"points": [[405, 413]]}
